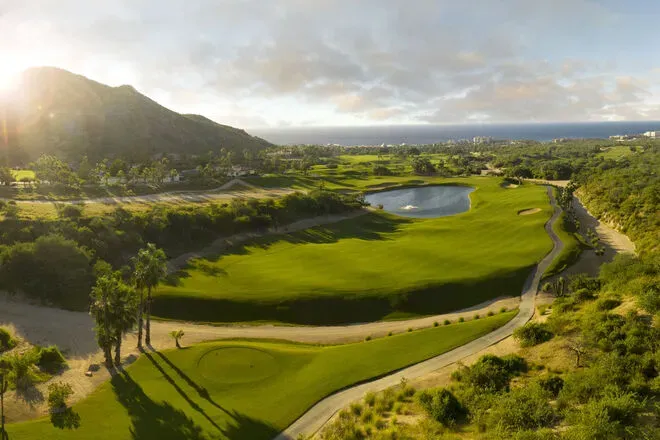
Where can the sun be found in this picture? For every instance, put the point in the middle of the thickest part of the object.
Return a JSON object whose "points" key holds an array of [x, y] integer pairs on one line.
{"points": [[8, 80]]}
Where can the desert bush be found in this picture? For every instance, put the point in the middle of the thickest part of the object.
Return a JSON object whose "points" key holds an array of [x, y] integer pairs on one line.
{"points": [[552, 384], [441, 405], [370, 399], [604, 304], [491, 373], [7, 342], [356, 409], [446, 322], [58, 393], [50, 359], [522, 409], [532, 334]]}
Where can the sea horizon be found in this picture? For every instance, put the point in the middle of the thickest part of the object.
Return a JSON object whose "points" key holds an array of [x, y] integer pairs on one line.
{"points": [[429, 134]]}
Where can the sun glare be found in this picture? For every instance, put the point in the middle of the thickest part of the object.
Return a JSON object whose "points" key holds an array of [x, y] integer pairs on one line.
{"points": [[8, 81]]}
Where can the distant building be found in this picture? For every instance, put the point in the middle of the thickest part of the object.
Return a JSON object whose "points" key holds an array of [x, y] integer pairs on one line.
{"points": [[239, 171], [652, 134], [482, 140], [621, 137], [559, 140]]}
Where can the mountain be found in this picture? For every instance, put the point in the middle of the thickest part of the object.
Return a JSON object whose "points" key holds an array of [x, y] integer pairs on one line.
{"points": [[57, 112]]}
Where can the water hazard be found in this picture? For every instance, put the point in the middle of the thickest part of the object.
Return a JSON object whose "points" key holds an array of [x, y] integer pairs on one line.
{"points": [[423, 202]]}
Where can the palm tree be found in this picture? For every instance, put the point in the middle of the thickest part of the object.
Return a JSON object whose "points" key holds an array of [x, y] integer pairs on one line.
{"points": [[123, 303], [150, 269], [177, 335], [100, 309], [114, 306]]}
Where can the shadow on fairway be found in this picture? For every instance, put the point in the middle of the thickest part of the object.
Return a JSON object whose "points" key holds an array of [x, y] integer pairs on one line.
{"points": [[162, 421]]}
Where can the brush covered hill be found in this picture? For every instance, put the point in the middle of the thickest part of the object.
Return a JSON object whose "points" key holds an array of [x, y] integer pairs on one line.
{"points": [[57, 112]]}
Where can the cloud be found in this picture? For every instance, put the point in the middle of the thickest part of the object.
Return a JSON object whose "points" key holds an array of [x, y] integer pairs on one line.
{"points": [[293, 61]]}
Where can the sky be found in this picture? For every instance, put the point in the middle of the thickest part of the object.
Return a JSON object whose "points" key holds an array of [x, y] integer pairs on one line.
{"points": [[280, 63]]}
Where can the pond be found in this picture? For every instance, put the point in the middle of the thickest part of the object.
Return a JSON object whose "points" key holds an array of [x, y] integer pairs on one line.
{"points": [[423, 202]]}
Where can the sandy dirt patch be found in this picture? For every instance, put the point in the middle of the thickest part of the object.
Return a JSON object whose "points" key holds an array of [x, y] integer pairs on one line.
{"points": [[509, 185], [529, 211]]}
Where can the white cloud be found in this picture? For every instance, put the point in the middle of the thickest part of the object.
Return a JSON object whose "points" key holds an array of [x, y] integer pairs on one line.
{"points": [[340, 61]]}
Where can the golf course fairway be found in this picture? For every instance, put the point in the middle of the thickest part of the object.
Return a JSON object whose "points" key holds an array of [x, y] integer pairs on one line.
{"points": [[373, 267], [241, 390]]}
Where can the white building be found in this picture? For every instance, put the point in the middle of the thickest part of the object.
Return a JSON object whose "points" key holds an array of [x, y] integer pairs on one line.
{"points": [[652, 134], [482, 140]]}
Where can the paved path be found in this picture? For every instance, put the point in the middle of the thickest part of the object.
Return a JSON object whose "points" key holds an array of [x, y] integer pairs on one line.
{"points": [[319, 414]]}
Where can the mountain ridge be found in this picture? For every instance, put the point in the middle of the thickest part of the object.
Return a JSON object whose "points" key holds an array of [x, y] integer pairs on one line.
{"points": [[54, 111]]}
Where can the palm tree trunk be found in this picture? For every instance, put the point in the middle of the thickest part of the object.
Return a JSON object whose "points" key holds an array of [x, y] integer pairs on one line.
{"points": [[140, 318], [118, 350], [2, 405], [107, 353], [147, 338], [177, 343]]}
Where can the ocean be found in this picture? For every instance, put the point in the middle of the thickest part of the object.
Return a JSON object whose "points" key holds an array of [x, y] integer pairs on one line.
{"points": [[428, 134]]}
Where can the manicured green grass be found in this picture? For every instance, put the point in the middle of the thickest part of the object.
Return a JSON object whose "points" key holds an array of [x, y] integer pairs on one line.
{"points": [[241, 390], [369, 267], [20, 174], [616, 152]]}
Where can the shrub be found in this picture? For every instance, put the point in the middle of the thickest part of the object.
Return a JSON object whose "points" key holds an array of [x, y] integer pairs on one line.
{"points": [[442, 406], [503, 310], [552, 384], [435, 324], [447, 322], [6, 340], [490, 313], [491, 373], [582, 295], [461, 319], [398, 408], [356, 409], [50, 359], [607, 303], [522, 408], [410, 329], [389, 334], [58, 393], [367, 416], [383, 405], [370, 398], [368, 338], [477, 316], [532, 334]]}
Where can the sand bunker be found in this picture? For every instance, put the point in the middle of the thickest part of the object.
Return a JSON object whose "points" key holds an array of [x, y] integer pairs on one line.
{"points": [[529, 211], [509, 185]]}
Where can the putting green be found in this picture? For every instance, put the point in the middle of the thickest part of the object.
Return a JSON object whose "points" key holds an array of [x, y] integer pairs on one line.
{"points": [[234, 365], [168, 396]]}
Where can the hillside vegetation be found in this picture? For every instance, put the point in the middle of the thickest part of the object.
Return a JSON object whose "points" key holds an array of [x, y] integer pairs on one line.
{"points": [[57, 112]]}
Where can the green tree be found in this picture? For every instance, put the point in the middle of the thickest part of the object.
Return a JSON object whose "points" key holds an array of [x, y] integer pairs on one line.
{"points": [[149, 269], [6, 176]]}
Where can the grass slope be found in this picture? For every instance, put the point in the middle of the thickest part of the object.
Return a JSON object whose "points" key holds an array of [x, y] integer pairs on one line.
{"points": [[369, 267], [205, 392]]}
